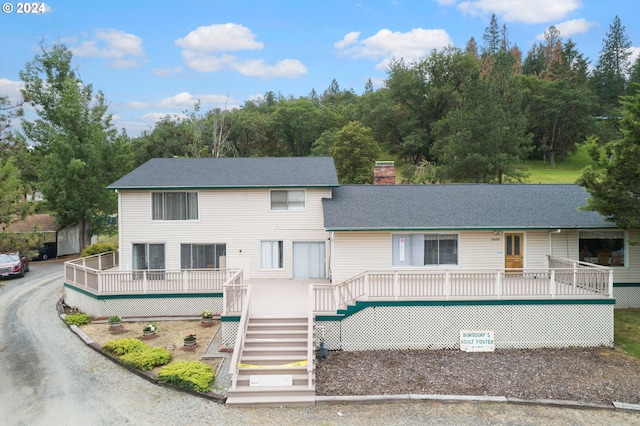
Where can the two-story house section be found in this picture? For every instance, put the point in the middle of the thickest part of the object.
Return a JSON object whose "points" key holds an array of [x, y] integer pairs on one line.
{"points": [[261, 215]]}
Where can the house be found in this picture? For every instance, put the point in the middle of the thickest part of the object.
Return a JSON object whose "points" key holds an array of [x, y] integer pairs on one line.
{"points": [[388, 266]]}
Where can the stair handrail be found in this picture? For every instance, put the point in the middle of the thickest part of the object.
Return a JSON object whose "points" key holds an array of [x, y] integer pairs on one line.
{"points": [[234, 368], [310, 341]]}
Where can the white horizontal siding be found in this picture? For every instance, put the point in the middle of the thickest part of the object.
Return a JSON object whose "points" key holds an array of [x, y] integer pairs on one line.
{"points": [[239, 218]]}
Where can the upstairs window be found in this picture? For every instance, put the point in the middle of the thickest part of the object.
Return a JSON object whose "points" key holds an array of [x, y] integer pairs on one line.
{"points": [[291, 199], [174, 205]]}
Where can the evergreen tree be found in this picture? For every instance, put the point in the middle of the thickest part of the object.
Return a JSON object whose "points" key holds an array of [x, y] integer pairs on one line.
{"points": [[609, 78], [614, 183]]}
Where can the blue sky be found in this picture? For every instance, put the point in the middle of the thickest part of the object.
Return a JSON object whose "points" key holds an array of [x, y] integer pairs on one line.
{"points": [[152, 58]]}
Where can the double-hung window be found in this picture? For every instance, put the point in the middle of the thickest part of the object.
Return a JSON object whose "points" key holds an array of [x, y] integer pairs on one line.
{"points": [[424, 249], [174, 205], [290, 199], [271, 255]]}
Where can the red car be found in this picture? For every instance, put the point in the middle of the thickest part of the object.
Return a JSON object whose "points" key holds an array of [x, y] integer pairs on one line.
{"points": [[13, 264]]}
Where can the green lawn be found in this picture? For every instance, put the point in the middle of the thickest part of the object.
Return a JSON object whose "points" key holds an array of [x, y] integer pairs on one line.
{"points": [[626, 330], [567, 171]]}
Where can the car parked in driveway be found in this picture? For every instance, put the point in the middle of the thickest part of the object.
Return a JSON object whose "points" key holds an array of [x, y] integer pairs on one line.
{"points": [[13, 265], [47, 251]]}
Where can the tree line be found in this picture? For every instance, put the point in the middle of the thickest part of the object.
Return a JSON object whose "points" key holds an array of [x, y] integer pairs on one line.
{"points": [[469, 114]]}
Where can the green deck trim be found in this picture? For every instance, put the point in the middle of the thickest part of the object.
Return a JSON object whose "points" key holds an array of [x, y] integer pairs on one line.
{"points": [[141, 296], [626, 285], [360, 305], [230, 318]]}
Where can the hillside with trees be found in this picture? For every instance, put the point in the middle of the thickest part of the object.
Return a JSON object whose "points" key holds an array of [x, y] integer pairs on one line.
{"points": [[462, 114]]}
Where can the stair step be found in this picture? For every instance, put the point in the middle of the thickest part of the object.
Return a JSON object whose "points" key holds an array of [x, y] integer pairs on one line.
{"points": [[278, 332], [302, 369], [299, 379], [278, 319], [269, 400], [287, 340], [276, 348], [271, 359]]}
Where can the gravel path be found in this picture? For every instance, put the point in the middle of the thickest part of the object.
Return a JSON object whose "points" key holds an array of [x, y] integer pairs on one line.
{"points": [[48, 376]]}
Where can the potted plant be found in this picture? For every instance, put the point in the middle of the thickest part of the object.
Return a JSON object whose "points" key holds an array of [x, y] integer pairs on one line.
{"points": [[114, 321], [207, 319], [190, 340], [149, 329]]}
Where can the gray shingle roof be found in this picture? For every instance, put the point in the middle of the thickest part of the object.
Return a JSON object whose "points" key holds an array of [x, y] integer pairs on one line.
{"points": [[175, 173], [397, 207]]}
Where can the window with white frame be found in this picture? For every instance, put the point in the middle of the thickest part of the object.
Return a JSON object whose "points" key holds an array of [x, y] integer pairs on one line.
{"points": [[149, 257], [271, 255], [602, 247], [290, 199], [201, 256], [174, 205], [424, 249]]}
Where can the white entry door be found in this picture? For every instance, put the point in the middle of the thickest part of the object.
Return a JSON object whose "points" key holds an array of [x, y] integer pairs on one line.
{"points": [[309, 259]]}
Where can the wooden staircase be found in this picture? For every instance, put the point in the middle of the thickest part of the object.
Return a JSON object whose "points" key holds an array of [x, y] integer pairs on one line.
{"points": [[273, 364]]}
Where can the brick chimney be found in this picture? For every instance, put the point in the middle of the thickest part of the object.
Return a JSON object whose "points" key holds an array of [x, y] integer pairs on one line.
{"points": [[384, 173]]}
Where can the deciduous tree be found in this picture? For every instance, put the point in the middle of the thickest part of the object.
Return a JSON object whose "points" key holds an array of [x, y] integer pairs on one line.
{"points": [[83, 153]]}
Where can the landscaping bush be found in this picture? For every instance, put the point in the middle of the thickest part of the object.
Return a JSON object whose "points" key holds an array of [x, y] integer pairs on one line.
{"points": [[146, 358], [98, 248], [192, 375], [121, 347], [136, 354], [78, 319]]}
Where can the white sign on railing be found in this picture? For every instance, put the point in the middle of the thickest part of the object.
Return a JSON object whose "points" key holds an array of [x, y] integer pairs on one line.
{"points": [[477, 341]]}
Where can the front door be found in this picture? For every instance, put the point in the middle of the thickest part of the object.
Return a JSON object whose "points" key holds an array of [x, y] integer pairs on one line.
{"points": [[309, 259], [513, 253]]}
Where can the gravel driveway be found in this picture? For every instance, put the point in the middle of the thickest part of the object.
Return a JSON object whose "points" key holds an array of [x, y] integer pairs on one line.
{"points": [[49, 377]]}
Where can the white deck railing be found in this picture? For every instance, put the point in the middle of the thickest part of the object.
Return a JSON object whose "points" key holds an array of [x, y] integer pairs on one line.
{"points": [[565, 279], [97, 275], [234, 367]]}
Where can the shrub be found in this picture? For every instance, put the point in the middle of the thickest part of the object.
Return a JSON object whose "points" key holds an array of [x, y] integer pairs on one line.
{"points": [[146, 358], [192, 375], [114, 319], [124, 346], [98, 248], [78, 319]]}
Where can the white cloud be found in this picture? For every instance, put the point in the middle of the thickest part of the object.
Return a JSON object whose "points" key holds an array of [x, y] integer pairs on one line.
{"points": [[524, 11], [11, 89], [387, 45], [220, 38], [635, 52], [166, 72], [347, 40], [204, 50], [137, 105], [187, 100], [152, 117], [258, 68], [569, 28], [122, 49]]}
